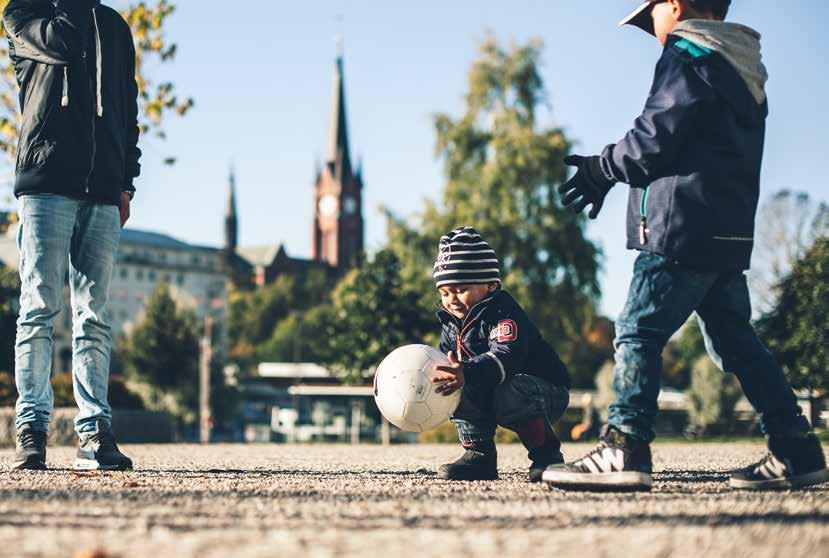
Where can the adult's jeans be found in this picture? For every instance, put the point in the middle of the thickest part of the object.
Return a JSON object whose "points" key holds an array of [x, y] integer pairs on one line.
{"points": [[662, 296], [59, 235]]}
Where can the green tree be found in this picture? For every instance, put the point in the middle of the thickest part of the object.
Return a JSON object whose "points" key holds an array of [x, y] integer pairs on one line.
{"points": [[152, 48], [161, 356], [681, 354], [502, 166], [373, 313], [712, 396], [9, 305], [796, 328]]}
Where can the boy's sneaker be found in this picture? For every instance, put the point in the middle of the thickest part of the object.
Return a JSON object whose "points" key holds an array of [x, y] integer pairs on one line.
{"points": [[790, 463], [30, 451], [546, 456], [619, 463], [471, 466], [99, 452]]}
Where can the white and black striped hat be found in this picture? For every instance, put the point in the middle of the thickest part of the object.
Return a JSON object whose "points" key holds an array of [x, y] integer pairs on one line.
{"points": [[465, 257]]}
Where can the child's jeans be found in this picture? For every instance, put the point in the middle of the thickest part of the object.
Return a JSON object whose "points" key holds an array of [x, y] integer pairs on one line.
{"points": [[519, 399], [662, 296]]}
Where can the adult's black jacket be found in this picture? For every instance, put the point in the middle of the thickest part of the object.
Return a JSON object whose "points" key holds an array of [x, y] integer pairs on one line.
{"points": [[75, 63]]}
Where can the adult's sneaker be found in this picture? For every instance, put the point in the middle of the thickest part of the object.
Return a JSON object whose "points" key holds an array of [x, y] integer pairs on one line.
{"points": [[793, 462], [471, 466], [619, 463], [99, 451], [30, 450]]}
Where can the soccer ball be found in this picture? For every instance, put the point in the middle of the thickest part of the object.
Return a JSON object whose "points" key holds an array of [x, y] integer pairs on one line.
{"points": [[404, 392]]}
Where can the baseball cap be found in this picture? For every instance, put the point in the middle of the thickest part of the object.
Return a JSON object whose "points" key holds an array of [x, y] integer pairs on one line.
{"points": [[641, 16]]}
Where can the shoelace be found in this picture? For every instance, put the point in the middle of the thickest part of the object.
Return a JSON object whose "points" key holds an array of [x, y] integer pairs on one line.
{"points": [[30, 438], [105, 441]]}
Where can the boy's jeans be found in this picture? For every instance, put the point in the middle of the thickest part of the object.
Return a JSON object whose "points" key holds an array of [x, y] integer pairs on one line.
{"points": [[58, 234], [519, 399], [661, 298]]}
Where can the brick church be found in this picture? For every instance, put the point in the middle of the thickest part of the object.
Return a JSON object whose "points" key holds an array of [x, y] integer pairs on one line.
{"points": [[337, 232]]}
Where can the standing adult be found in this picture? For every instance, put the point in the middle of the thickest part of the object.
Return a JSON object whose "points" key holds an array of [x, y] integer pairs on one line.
{"points": [[76, 160]]}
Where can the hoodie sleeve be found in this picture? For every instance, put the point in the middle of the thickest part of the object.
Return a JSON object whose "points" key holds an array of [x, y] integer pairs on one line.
{"points": [[133, 153], [507, 355], [650, 149], [48, 34]]}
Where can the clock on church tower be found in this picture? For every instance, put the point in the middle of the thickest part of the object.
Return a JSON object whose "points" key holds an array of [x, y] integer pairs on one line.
{"points": [[338, 222]]}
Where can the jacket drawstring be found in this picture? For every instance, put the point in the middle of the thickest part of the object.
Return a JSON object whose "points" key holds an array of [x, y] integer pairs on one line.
{"points": [[99, 97], [64, 99], [98, 62]]}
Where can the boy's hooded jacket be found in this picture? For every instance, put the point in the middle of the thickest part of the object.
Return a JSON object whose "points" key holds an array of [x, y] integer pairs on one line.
{"points": [[694, 156], [75, 63], [497, 340]]}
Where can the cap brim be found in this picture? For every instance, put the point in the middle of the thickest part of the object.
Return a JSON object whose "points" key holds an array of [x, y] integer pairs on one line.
{"points": [[641, 18]]}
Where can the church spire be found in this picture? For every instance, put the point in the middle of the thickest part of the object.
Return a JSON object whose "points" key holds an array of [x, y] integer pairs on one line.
{"points": [[231, 221], [338, 153]]}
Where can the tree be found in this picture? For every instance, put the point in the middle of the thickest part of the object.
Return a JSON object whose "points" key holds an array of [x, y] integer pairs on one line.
{"points": [[681, 354], [712, 397], [373, 313], [788, 223], [162, 356], [501, 167], [9, 306], [152, 47], [796, 328]]}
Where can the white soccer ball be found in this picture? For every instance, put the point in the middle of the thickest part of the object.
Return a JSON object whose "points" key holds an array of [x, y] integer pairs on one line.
{"points": [[404, 392]]}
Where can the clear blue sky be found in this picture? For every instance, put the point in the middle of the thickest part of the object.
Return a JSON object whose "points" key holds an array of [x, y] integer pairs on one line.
{"points": [[260, 71]]}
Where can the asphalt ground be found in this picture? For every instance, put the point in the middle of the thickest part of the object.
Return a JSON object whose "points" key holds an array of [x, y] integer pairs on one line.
{"points": [[324, 500]]}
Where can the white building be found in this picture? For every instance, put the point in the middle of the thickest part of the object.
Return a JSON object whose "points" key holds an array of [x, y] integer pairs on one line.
{"points": [[196, 275]]}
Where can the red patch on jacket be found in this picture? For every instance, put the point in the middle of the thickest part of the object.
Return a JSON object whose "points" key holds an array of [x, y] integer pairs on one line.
{"points": [[507, 330]]}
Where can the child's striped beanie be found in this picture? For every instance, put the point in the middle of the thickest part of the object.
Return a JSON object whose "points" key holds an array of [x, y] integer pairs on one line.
{"points": [[465, 257]]}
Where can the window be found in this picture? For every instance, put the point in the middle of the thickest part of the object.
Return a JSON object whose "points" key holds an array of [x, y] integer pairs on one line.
{"points": [[151, 275], [139, 274], [180, 279], [123, 272]]}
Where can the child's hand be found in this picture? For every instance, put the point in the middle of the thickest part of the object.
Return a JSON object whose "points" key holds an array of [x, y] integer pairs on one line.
{"points": [[450, 377]]}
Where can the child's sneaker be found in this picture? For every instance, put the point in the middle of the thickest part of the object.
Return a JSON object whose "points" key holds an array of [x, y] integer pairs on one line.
{"points": [[790, 463], [472, 466], [619, 463]]}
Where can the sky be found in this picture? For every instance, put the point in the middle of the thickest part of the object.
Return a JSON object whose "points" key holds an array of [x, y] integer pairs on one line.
{"points": [[260, 72]]}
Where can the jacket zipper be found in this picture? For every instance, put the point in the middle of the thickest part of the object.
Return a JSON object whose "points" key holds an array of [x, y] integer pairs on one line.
{"points": [[465, 327], [94, 146], [643, 221]]}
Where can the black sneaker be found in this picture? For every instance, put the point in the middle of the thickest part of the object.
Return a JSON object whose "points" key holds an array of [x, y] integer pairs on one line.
{"points": [[790, 463], [545, 456], [30, 452], [619, 463], [471, 466], [99, 452]]}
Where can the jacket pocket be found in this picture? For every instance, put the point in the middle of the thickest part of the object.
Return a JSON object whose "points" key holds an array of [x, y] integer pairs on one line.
{"points": [[37, 155]]}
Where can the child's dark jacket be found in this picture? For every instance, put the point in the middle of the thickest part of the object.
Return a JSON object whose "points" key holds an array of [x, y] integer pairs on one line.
{"points": [[497, 340], [693, 160]]}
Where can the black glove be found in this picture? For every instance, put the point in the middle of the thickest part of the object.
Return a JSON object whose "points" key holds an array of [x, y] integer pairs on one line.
{"points": [[589, 185]]}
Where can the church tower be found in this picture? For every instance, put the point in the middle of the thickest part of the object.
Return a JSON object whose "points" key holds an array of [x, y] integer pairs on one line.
{"points": [[338, 192], [231, 221]]}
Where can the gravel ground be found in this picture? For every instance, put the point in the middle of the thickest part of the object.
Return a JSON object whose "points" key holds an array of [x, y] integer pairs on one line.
{"points": [[266, 500]]}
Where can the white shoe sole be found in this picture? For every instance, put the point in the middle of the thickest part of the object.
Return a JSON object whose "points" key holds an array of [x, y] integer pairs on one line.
{"points": [[625, 480], [799, 481], [93, 465]]}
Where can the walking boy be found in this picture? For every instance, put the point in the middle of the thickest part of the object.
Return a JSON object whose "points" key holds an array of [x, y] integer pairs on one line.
{"points": [[510, 375], [76, 160], [693, 163]]}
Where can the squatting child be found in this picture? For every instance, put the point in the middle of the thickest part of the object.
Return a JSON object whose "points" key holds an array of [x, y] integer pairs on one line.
{"points": [[510, 374]]}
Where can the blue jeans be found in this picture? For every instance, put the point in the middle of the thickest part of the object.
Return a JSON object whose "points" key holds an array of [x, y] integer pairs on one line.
{"points": [[57, 235], [518, 400], [662, 296]]}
